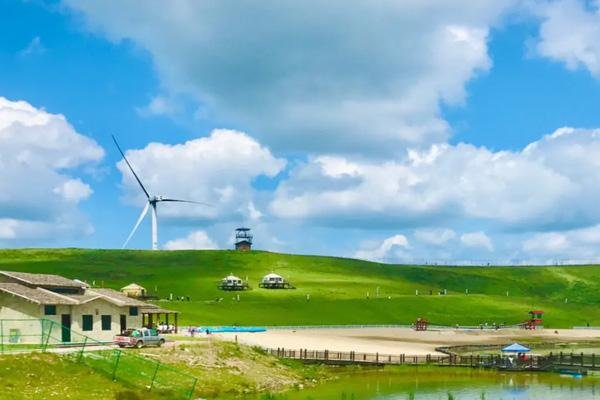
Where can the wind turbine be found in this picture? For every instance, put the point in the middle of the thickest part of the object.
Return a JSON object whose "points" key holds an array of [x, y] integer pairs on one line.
{"points": [[152, 202]]}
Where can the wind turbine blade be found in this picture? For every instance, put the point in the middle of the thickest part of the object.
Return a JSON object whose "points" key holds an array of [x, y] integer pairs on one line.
{"points": [[130, 167], [139, 221], [186, 201]]}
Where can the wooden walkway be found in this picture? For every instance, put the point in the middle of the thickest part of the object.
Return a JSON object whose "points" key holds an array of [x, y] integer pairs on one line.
{"points": [[552, 362]]}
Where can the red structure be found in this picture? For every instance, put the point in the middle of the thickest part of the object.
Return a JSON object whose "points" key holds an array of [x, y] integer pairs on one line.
{"points": [[535, 320], [421, 324]]}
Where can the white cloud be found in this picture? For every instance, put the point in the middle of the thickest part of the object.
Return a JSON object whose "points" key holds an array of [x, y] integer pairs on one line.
{"points": [[436, 237], [570, 33], [253, 213], [314, 75], [574, 246], [73, 190], [391, 247], [217, 169], [197, 240], [38, 152], [477, 240], [550, 184], [548, 242]]}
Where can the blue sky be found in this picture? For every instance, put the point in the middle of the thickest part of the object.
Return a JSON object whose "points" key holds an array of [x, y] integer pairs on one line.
{"points": [[401, 132]]}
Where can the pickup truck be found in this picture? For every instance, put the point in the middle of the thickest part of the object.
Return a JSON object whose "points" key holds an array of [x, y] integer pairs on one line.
{"points": [[139, 338]]}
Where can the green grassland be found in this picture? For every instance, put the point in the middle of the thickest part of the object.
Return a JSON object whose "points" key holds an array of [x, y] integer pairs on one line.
{"points": [[49, 376], [225, 371], [337, 287]]}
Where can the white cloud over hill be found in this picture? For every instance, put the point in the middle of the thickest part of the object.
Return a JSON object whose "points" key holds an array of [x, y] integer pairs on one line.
{"points": [[447, 202], [392, 248], [477, 240], [552, 183], [196, 240]]}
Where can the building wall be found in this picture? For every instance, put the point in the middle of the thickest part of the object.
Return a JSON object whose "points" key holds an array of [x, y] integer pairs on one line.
{"points": [[20, 320], [97, 308], [18, 313], [243, 246]]}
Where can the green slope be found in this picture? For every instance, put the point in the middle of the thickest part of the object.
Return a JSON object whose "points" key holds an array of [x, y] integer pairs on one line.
{"points": [[338, 287], [49, 376]]}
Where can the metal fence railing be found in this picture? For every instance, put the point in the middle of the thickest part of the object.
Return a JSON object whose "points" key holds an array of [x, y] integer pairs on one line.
{"points": [[41, 335]]}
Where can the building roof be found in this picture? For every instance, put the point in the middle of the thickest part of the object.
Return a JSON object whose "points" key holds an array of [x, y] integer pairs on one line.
{"points": [[133, 286], [37, 295], [272, 275], [84, 298], [45, 280], [152, 309], [118, 298], [44, 296], [24, 286]]}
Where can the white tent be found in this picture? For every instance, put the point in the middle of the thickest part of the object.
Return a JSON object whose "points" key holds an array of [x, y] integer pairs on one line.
{"points": [[273, 278], [232, 280], [274, 281]]}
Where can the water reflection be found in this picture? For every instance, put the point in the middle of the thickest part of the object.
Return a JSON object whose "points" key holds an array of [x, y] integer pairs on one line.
{"points": [[437, 384]]}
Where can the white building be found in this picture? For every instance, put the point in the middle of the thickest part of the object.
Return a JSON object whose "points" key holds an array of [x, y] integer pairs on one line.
{"points": [[29, 301], [232, 282], [274, 281]]}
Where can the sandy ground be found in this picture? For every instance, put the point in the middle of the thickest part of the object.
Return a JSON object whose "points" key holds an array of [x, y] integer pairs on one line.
{"points": [[395, 340]]}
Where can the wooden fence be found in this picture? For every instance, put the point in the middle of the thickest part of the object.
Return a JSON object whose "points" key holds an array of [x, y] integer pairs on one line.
{"points": [[552, 361]]}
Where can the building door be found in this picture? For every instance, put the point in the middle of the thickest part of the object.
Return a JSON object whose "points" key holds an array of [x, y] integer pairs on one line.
{"points": [[123, 322], [65, 321]]}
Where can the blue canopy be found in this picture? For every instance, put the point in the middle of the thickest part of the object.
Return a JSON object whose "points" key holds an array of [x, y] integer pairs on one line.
{"points": [[516, 348]]}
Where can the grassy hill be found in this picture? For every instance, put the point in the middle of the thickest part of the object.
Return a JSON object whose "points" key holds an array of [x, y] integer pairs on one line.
{"points": [[337, 287]]}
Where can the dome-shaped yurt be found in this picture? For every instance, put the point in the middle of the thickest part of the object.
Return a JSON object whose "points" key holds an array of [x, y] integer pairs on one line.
{"points": [[275, 281], [232, 282], [134, 290]]}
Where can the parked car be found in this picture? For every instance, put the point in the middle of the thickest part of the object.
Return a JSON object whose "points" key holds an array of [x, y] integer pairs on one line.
{"points": [[139, 338]]}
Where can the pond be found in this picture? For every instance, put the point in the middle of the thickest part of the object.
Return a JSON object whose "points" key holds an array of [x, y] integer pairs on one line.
{"points": [[446, 384]]}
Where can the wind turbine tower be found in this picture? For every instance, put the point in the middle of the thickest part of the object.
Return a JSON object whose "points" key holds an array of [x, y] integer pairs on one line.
{"points": [[151, 203]]}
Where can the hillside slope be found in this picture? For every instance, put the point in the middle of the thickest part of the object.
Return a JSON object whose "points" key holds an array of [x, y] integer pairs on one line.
{"points": [[337, 287]]}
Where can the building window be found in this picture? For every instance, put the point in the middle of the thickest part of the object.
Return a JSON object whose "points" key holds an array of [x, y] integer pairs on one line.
{"points": [[133, 311], [106, 322], [87, 322], [49, 309]]}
